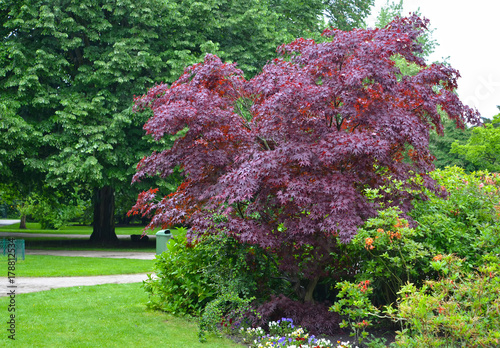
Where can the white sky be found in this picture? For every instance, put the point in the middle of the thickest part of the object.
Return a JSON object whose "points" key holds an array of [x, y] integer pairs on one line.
{"points": [[468, 32]]}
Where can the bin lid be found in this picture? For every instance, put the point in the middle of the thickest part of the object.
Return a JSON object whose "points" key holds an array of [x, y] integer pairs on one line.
{"points": [[163, 232]]}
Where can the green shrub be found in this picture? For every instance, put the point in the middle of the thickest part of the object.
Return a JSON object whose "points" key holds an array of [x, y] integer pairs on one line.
{"points": [[190, 276], [241, 274], [179, 285], [466, 223], [227, 312], [354, 304], [462, 308], [243, 269], [390, 254], [53, 211]]}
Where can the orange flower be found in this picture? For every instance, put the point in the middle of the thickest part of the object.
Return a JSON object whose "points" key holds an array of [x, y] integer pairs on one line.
{"points": [[438, 257], [396, 235], [363, 323], [363, 285], [400, 223], [368, 243], [380, 230]]}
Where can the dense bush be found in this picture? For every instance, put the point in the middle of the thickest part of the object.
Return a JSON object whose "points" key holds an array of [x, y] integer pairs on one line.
{"points": [[390, 253], [459, 309], [53, 211], [467, 222], [179, 284], [406, 265], [191, 274]]}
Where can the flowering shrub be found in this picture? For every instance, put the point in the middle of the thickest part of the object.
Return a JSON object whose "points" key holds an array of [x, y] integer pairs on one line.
{"points": [[389, 254], [355, 305], [444, 300], [459, 309], [466, 223]]}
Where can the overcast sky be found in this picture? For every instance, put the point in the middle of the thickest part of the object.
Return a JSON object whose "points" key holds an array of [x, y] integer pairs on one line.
{"points": [[468, 32]]}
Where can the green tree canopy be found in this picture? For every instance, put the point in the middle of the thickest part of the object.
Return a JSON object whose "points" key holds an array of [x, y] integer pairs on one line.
{"points": [[440, 146], [483, 147]]}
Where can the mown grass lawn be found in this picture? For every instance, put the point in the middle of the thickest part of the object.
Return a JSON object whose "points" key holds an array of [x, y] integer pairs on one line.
{"points": [[64, 266], [111, 315], [34, 227]]}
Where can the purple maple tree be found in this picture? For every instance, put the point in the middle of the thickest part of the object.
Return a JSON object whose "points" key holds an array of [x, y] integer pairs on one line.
{"points": [[283, 160]]}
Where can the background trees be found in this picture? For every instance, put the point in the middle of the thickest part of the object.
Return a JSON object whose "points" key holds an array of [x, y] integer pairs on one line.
{"points": [[285, 160], [483, 146], [440, 146], [70, 68]]}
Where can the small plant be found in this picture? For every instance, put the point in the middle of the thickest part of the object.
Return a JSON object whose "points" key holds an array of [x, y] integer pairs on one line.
{"points": [[250, 334], [281, 327], [225, 313], [354, 303]]}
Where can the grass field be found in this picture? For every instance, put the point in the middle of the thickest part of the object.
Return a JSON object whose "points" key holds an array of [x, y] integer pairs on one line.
{"points": [[34, 227], [64, 266], [112, 315]]}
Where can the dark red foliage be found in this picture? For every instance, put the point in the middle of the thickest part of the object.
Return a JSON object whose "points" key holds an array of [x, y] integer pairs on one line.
{"points": [[285, 157], [312, 316]]}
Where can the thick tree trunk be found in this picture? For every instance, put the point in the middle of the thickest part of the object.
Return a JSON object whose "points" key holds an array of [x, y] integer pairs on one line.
{"points": [[310, 290], [22, 225], [104, 216]]}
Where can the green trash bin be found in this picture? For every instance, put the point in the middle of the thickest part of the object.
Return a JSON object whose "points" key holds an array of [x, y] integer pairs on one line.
{"points": [[162, 238]]}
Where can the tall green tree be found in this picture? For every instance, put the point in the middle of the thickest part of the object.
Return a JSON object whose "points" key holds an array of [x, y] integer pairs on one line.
{"points": [[483, 146], [69, 70], [440, 146], [346, 14], [393, 9]]}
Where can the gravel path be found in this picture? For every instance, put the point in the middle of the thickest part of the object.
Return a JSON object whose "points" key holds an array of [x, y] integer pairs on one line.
{"points": [[25, 285]]}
